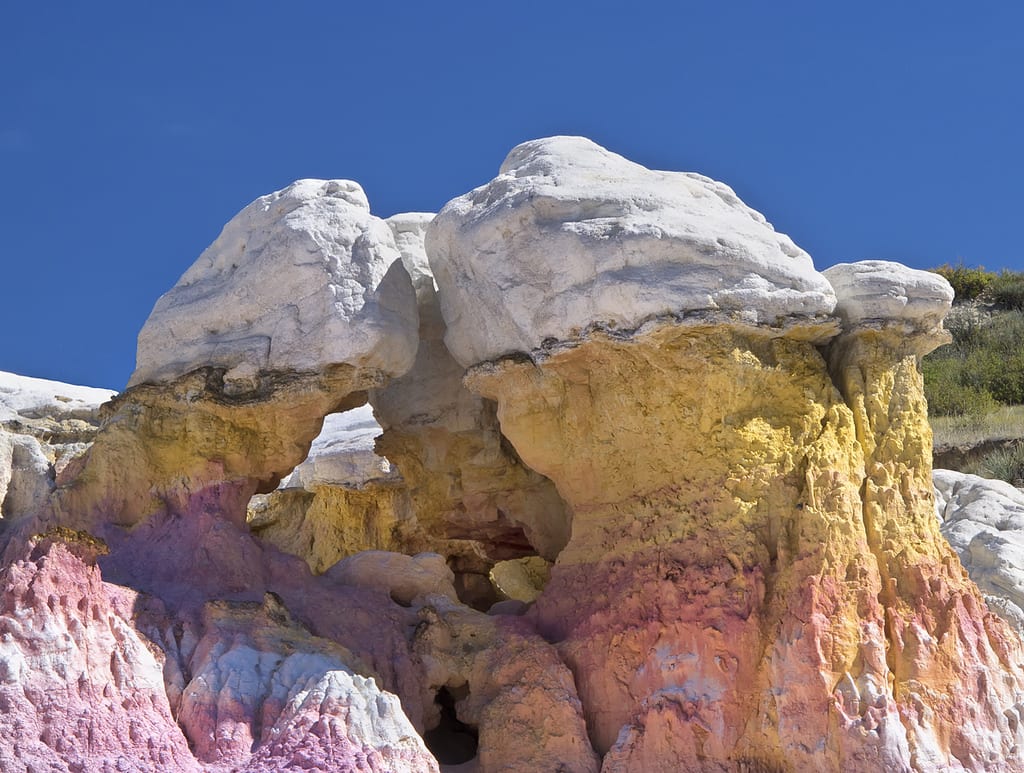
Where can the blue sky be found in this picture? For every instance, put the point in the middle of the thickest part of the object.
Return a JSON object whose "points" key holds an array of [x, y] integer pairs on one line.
{"points": [[131, 132]]}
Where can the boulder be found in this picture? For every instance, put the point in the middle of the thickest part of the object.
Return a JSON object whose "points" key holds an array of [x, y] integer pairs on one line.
{"points": [[885, 292], [300, 279], [984, 522]]}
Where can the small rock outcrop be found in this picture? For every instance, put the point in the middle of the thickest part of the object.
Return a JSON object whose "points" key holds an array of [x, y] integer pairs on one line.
{"points": [[45, 427]]}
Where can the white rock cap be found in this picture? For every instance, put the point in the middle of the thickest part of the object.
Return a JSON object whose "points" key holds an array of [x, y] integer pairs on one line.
{"points": [[300, 279], [884, 291], [571, 234]]}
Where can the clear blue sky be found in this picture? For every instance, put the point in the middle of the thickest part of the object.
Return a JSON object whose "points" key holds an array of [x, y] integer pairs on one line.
{"points": [[130, 132]]}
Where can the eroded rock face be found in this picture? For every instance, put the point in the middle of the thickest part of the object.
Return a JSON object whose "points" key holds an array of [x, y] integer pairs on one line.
{"points": [[299, 306], [748, 572], [265, 695], [755, 577], [474, 499], [80, 688]]}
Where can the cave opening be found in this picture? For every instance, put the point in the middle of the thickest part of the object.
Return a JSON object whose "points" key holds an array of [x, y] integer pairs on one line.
{"points": [[451, 741]]}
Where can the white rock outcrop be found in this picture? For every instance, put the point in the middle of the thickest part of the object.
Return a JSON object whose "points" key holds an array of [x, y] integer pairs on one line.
{"points": [[36, 398], [881, 290], [600, 239], [343, 455], [43, 423], [299, 280], [984, 522]]}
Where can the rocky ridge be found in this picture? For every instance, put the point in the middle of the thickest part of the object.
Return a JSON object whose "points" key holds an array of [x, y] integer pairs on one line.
{"points": [[704, 465]]}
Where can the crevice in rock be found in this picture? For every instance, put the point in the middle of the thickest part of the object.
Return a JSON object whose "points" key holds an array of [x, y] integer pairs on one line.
{"points": [[451, 741]]}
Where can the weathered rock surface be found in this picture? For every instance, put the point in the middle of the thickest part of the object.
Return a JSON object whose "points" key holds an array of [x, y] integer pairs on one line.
{"points": [[300, 279], [342, 499], [984, 522], [598, 239], [80, 689], [265, 695], [733, 483], [881, 291], [755, 577], [496, 675], [44, 426], [342, 454], [299, 306], [474, 499]]}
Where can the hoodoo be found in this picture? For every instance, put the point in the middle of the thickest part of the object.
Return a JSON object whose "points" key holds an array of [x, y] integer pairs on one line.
{"points": [[657, 496]]}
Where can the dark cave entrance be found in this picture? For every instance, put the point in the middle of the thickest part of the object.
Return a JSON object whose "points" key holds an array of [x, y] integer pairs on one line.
{"points": [[452, 741]]}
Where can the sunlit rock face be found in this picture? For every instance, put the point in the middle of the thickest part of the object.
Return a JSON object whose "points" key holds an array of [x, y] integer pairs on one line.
{"points": [[697, 469], [755, 577], [81, 689], [300, 279], [343, 498], [571, 235], [292, 313]]}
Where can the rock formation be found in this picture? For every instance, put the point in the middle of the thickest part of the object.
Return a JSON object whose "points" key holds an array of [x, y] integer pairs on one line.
{"points": [[292, 313], [755, 577], [342, 499], [697, 469], [462, 490], [474, 499]]}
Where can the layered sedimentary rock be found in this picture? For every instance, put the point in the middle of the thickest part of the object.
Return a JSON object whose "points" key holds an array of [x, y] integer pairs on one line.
{"points": [[292, 313], [462, 490], [755, 577], [474, 499]]}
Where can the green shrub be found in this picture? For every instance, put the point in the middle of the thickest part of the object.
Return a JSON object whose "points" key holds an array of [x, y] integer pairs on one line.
{"points": [[1005, 464], [949, 392], [1007, 289], [968, 283]]}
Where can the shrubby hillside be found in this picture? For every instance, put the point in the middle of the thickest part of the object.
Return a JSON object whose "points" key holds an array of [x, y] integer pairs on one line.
{"points": [[975, 385]]}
